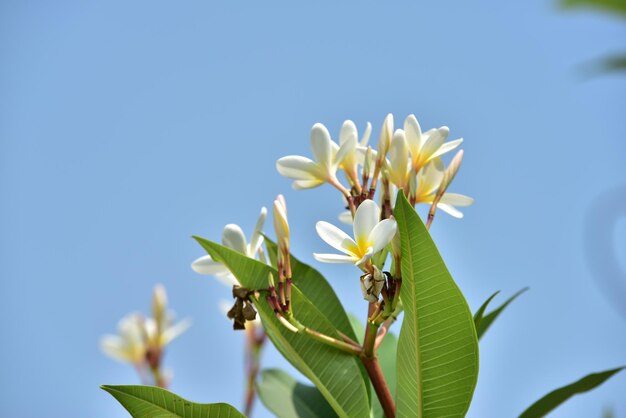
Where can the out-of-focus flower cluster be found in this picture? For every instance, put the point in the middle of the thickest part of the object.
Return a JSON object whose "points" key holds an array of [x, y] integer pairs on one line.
{"points": [[141, 340]]}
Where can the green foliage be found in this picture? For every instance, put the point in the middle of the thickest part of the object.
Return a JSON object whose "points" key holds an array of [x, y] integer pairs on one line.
{"points": [[483, 322], [319, 292], [617, 7], [336, 374], [437, 360], [154, 402], [288, 398], [558, 396]]}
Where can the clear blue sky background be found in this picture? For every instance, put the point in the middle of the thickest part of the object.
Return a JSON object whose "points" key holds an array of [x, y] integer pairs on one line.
{"points": [[126, 127]]}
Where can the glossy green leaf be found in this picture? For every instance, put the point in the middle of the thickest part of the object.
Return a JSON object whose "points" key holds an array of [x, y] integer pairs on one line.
{"points": [[437, 360], [558, 396], [336, 374], [319, 292], [154, 402], [288, 398], [612, 6], [486, 321]]}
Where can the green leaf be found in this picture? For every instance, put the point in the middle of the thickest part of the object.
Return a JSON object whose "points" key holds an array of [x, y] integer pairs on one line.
{"points": [[612, 6], [336, 374], [488, 319], [154, 402], [288, 398], [437, 361], [558, 396], [478, 316], [319, 292]]}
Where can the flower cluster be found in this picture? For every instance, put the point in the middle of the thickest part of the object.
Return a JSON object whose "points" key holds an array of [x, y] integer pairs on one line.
{"points": [[141, 340]]}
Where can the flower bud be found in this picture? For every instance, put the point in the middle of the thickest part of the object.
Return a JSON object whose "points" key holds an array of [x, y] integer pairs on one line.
{"points": [[450, 173], [281, 226], [385, 138], [159, 306]]}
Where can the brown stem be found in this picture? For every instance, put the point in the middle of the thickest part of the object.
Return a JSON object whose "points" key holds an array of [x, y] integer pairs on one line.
{"points": [[380, 386], [254, 343]]}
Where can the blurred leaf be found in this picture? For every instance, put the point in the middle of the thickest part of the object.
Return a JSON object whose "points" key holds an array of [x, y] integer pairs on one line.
{"points": [[478, 316], [358, 327], [319, 292], [558, 396], [154, 402], [337, 375], [287, 398], [437, 360], [488, 319], [612, 6]]}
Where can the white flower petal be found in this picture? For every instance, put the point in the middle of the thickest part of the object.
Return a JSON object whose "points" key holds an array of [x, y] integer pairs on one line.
{"points": [[346, 217], [365, 219], [368, 254], [382, 234], [334, 258], [347, 151], [429, 177], [447, 147], [413, 135], [233, 238], [450, 210], [455, 199], [348, 130], [321, 145], [174, 331], [256, 240], [206, 265], [298, 168], [306, 184], [227, 278], [398, 158], [335, 237], [433, 143]]}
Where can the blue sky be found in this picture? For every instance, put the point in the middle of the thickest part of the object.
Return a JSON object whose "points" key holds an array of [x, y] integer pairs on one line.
{"points": [[127, 127]]}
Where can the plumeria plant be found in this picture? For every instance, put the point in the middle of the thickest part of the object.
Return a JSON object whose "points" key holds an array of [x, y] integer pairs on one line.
{"points": [[357, 367]]}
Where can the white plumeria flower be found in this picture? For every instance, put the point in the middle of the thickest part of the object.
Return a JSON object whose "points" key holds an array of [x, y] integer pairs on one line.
{"points": [[307, 173], [370, 236], [425, 146], [233, 238], [428, 181]]}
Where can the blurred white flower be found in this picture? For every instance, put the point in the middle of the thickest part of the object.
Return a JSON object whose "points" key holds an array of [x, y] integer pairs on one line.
{"points": [[370, 236], [425, 146], [130, 344], [234, 238], [137, 334], [307, 173], [350, 164]]}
